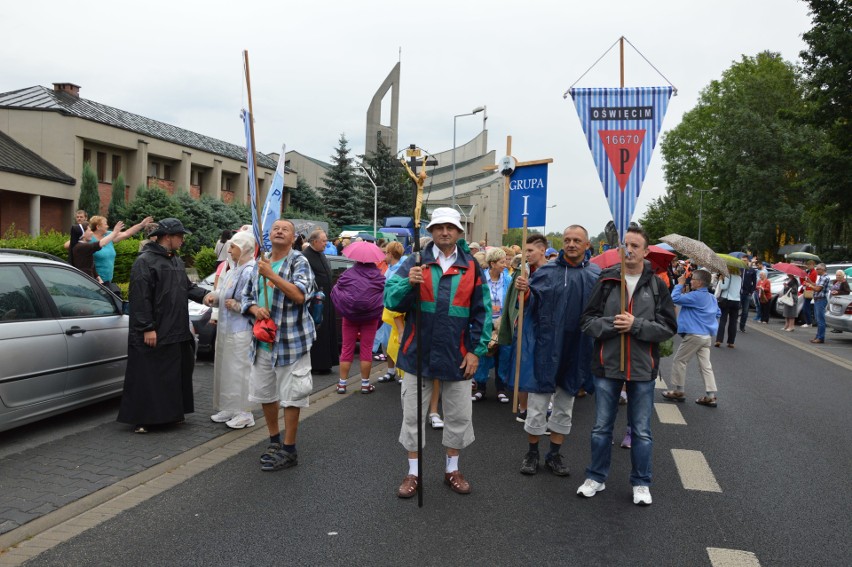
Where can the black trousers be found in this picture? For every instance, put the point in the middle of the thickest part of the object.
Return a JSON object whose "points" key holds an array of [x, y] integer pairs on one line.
{"points": [[730, 311]]}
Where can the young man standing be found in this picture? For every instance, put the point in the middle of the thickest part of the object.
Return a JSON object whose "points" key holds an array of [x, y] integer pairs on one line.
{"points": [[281, 369], [648, 318]]}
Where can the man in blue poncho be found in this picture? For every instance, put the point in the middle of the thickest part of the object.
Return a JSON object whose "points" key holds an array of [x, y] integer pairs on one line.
{"points": [[556, 354]]}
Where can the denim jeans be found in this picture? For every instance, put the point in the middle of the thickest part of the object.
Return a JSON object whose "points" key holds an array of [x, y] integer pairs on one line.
{"points": [[745, 303], [806, 311], [819, 312], [640, 405]]}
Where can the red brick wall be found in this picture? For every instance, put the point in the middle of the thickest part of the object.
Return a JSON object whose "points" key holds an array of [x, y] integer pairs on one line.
{"points": [[105, 193], [227, 197], [14, 209], [195, 191], [53, 215]]}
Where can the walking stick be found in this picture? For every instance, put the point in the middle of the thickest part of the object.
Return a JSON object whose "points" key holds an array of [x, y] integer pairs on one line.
{"points": [[419, 180]]}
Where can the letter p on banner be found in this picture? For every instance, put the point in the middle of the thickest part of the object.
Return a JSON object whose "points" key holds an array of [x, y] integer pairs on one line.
{"points": [[621, 127]]}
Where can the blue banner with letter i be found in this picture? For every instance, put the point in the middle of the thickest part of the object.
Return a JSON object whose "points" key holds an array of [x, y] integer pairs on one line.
{"points": [[528, 195]]}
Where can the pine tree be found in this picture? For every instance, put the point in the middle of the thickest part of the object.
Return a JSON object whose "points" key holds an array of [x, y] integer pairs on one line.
{"points": [[395, 194], [116, 204], [90, 200], [343, 194], [304, 198]]}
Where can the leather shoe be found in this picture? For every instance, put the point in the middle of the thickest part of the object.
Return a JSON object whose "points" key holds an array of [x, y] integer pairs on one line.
{"points": [[456, 482], [408, 488], [817, 341]]}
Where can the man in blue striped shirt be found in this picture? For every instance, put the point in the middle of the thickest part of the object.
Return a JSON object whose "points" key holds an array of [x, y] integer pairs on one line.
{"points": [[281, 369]]}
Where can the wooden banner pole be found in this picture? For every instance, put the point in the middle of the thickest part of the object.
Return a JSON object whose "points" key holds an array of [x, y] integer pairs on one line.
{"points": [[520, 333]]}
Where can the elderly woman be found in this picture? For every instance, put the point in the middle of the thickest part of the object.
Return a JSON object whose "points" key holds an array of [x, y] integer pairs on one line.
{"points": [[791, 288], [840, 285], [764, 296], [233, 338], [498, 281]]}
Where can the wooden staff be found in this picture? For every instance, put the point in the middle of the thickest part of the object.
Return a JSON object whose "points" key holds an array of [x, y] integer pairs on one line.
{"points": [[520, 333], [259, 245]]}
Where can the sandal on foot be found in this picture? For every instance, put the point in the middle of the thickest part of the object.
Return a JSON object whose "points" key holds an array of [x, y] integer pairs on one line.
{"points": [[674, 395], [280, 460], [706, 401], [387, 377], [341, 388], [270, 450], [503, 398], [367, 388], [457, 482], [408, 487], [380, 357], [476, 396]]}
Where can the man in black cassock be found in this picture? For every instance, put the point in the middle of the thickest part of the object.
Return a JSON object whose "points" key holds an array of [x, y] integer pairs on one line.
{"points": [[325, 351]]}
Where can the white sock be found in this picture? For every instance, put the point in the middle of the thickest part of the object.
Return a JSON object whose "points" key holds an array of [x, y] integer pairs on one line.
{"points": [[412, 466], [452, 463]]}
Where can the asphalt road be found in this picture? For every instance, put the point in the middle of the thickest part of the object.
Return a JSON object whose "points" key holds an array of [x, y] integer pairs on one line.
{"points": [[777, 449]]}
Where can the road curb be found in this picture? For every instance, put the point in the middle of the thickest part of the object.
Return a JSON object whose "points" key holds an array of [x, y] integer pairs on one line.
{"points": [[34, 537], [827, 356]]}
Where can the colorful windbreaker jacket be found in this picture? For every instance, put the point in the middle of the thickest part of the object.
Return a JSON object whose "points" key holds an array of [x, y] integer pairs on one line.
{"points": [[455, 314]]}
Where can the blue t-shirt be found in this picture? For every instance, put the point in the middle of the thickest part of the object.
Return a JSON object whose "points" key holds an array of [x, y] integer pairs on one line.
{"points": [[105, 260]]}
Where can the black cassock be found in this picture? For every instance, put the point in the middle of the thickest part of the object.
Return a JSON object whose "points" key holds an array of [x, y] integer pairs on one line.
{"points": [[325, 353]]}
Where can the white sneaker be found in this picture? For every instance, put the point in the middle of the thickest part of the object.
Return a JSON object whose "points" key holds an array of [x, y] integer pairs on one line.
{"points": [[805, 326], [241, 420], [223, 416], [436, 421], [591, 487], [641, 495]]}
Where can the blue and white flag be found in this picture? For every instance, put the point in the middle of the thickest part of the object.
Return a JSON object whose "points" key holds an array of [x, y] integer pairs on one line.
{"points": [[255, 224], [272, 208], [621, 128]]}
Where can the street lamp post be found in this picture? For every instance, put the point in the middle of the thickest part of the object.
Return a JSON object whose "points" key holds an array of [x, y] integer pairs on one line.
{"points": [[476, 110], [700, 203], [375, 199]]}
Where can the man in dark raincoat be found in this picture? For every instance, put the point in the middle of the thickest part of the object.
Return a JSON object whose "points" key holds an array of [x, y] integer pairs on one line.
{"points": [[160, 358], [558, 351]]}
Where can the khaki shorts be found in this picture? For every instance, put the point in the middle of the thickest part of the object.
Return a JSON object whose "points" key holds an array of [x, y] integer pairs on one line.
{"points": [[291, 385], [560, 420]]}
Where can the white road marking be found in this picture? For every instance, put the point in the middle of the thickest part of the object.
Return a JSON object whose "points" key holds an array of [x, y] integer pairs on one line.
{"points": [[669, 413], [732, 558], [695, 473]]}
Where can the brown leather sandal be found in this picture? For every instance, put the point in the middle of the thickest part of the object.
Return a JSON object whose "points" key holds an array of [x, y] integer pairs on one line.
{"points": [[408, 488], [456, 482]]}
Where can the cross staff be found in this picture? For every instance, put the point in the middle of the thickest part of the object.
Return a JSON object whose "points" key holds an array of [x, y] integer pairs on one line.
{"points": [[419, 180]]}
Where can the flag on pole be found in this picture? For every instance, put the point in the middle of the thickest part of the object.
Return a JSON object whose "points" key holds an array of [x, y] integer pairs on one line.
{"points": [[272, 207], [621, 128], [255, 224]]}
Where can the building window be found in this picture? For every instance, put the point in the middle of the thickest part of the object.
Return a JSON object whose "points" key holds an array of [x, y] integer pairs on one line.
{"points": [[116, 167], [226, 186], [102, 166], [153, 169], [167, 172]]}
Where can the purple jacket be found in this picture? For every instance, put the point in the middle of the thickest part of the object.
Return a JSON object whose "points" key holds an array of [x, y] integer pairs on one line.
{"points": [[357, 295]]}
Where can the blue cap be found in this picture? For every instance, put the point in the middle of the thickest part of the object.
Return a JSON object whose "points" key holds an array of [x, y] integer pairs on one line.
{"points": [[550, 251]]}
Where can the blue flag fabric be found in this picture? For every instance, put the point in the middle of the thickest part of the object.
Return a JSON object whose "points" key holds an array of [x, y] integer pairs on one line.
{"points": [[272, 208], [255, 224], [621, 128]]}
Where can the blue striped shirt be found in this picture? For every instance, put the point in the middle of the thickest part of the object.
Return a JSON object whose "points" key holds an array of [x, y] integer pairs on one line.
{"points": [[296, 331]]}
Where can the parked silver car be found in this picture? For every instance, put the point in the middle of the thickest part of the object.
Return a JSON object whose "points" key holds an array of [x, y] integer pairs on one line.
{"points": [[838, 316], [63, 339]]}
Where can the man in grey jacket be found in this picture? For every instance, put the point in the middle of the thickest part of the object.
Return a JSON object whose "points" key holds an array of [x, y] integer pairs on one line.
{"points": [[648, 318]]}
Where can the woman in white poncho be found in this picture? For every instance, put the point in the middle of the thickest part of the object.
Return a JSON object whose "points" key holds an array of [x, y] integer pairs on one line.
{"points": [[233, 337]]}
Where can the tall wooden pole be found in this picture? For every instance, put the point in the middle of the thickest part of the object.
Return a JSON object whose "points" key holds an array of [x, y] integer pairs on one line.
{"points": [[520, 334], [251, 129], [621, 236]]}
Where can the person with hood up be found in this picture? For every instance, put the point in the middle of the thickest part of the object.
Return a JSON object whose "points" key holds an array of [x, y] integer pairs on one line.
{"points": [[233, 337], [160, 357]]}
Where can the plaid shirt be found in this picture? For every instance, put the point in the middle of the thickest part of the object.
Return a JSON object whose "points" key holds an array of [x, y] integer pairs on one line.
{"points": [[296, 332]]}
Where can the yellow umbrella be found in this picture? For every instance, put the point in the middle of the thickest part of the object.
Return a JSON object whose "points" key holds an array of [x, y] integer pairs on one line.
{"points": [[732, 261]]}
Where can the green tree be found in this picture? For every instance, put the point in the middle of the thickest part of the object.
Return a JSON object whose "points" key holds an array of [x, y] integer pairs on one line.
{"points": [[117, 202], [90, 199], [304, 198], [827, 71], [741, 137], [343, 194], [395, 194]]}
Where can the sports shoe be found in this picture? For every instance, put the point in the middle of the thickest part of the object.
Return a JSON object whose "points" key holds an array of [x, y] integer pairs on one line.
{"points": [[590, 488], [223, 416], [805, 326], [530, 463], [521, 416], [241, 420], [627, 442], [435, 421], [556, 465], [642, 495]]}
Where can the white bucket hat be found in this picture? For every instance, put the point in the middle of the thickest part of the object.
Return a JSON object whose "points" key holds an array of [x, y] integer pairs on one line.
{"points": [[443, 215]]}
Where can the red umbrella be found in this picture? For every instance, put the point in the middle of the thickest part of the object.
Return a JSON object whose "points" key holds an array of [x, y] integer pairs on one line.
{"points": [[363, 251], [791, 269], [659, 258]]}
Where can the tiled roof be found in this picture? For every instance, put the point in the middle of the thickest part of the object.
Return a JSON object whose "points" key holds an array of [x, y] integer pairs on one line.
{"points": [[43, 98], [15, 158]]}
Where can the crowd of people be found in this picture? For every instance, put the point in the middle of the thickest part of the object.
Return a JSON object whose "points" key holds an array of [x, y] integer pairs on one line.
{"points": [[577, 322]]}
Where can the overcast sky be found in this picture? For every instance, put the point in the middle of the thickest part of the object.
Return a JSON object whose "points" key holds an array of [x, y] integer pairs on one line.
{"points": [[315, 66]]}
